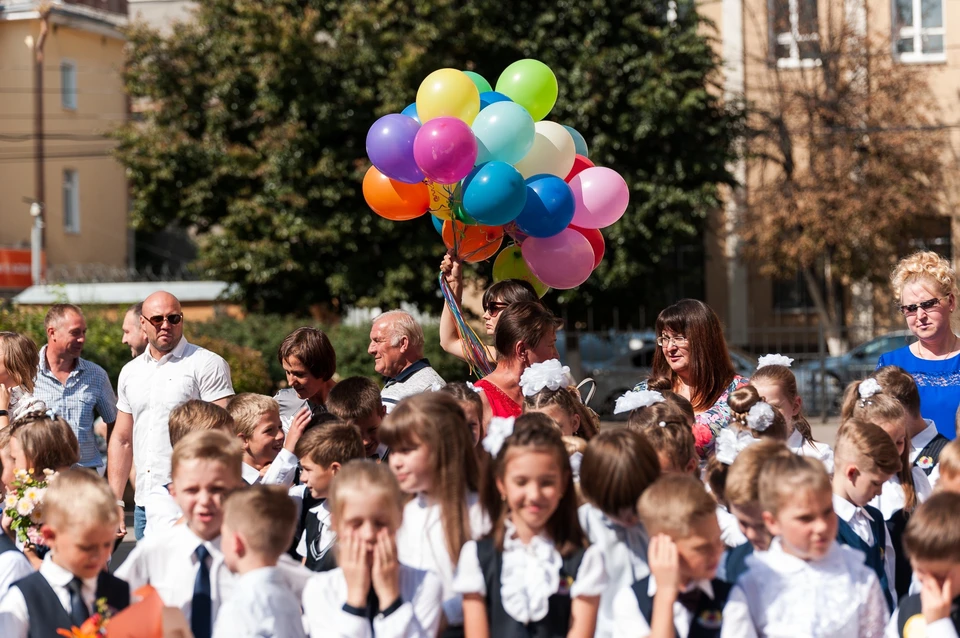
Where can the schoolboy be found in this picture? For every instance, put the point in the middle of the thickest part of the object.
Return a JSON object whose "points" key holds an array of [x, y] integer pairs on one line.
{"points": [[865, 457], [267, 453], [932, 541], [63, 593], [356, 400], [322, 451], [684, 553], [258, 525], [949, 480]]}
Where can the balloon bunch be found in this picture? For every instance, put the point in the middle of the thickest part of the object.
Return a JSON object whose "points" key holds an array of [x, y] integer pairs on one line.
{"points": [[486, 165]]}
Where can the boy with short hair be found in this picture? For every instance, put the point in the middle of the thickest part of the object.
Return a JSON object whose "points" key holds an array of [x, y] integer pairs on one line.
{"points": [[258, 526], [322, 451], [267, 453], [684, 553], [949, 480], [71, 579], [356, 400]]}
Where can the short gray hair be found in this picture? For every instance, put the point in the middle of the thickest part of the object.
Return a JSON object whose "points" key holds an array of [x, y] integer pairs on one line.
{"points": [[402, 324]]}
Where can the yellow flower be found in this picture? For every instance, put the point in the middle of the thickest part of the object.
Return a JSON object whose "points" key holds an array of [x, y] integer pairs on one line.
{"points": [[21, 474], [25, 507], [33, 493]]}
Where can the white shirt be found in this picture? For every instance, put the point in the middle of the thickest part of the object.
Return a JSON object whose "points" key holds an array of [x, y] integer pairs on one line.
{"points": [[859, 521], [781, 595], [149, 389], [730, 532], [629, 621], [162, 511], [891, 499], [418, 616], [624, 555], [14, 619], [280, 472], [13, 567], [327, 536], [421, 543], [261, 606], [802, 447], [919, 442]]}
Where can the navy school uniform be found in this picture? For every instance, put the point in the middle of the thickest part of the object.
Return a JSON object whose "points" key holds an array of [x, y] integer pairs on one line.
{"points": [[909, 621], [703, 603], [736, 562], [308, 541], [875, 554]]}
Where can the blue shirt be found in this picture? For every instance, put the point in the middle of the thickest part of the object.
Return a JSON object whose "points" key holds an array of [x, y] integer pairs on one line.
{"points": [[939, 385], [87, 389]]}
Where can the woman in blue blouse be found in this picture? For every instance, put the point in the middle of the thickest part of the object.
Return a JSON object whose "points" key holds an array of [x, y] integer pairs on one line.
{"points": [[926, 286]]}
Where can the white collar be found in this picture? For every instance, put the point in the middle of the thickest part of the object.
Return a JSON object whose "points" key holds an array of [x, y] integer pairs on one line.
{"points": [[795, 441], [847, 510], [61, 577], [250, 474], [920, 441], [322, 511], [703, 585], [780, 561], [256, 578], [176, 353]]}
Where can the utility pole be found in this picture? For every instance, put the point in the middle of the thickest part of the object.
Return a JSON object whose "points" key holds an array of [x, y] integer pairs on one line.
{"points": [[38, 232]]}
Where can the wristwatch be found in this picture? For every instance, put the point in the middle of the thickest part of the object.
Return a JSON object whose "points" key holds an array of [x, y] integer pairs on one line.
{"points": [[4, 413]]}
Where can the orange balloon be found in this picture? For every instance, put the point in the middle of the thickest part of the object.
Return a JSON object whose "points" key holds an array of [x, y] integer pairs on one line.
{"points": [[392, 199], [472, 243]]}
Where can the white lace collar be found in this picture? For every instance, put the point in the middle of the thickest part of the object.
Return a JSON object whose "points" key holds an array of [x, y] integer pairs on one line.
{"points": [[529, 575], [781, 562]]}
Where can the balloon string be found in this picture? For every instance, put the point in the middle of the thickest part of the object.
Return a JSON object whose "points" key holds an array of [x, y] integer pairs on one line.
{"points": [[474, 352]]}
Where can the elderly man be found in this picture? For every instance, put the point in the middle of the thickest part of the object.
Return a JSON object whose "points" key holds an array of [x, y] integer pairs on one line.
{"points": [[168, 373], [72, 386], [133, 334], [396, 343]]}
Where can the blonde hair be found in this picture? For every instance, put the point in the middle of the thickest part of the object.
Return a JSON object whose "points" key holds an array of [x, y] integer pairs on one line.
{"points": [[783, 378], [20, 356], [196, 415], [950, 459], [209, 445], [48, 442], [785, 476], [743, 478], [926, 265], [265, 515], [98, 505], [868, 447], [674, 504], [247, 409], [879, 407], [365, 478]]}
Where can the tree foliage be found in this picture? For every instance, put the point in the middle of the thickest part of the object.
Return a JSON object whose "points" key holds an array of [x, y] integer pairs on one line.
{"points": [[258, 111]]}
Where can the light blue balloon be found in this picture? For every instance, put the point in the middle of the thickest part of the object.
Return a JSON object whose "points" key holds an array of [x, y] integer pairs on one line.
{"points": [[578, 141], [437, 223], [505, 133], [494, 193], [411, 112]]}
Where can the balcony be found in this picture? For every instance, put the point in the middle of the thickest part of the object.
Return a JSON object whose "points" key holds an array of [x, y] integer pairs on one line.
{"points": [[109, 6]]}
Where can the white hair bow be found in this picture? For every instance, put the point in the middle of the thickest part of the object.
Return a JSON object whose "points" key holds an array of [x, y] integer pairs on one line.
{"points": [[637, 399], [760, 417], [497, 432], [547, 375], [774, 360], [868, 388], [474, 388], [730, 444]]}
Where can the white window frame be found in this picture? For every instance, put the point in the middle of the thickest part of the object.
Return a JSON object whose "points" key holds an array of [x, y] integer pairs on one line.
{"points": [[71, 201], [916, 33], [68, 85], [792, 39]]}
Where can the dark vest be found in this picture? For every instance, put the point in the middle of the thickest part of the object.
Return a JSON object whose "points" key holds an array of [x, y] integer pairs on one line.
{"points": [[910, 608], [874, 554], [46, 613], [326, 561], [737, 562], [707, 617], [933, 450], [557, 621], [896, 527], [7, 544], [307, 503]]}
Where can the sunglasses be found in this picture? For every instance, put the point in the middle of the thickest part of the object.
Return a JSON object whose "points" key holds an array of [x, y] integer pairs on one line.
{"points": [[911, 309], [157, 320], [495, 307]]}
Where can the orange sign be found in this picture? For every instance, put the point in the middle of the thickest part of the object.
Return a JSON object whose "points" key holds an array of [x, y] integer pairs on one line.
{"points": [[15, 268]]}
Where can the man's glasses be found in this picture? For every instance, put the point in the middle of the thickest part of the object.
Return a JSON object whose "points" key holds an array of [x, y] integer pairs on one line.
{"points": [[679, 341], [495, 307], [911, 309], [157, 320]]}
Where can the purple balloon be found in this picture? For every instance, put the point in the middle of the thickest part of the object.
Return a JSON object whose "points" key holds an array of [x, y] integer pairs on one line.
{"points": [[445, 150], [563, 261], [390, 147]]}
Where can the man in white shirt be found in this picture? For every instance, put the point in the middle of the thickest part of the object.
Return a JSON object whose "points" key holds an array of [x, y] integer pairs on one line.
{"points": [[169, 372]]}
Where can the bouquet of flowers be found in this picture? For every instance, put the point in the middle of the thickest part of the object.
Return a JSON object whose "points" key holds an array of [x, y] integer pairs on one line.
{"points": [[92, 627], [24, 504]]}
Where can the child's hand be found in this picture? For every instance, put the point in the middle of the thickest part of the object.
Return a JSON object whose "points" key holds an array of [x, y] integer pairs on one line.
{"points": [[300, 422], [386, 570], [935, 601], [352, 559], [664, 564]]}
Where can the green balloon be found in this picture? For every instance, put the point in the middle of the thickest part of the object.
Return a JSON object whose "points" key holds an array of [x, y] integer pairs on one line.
{"points": [[532, 85], [481, 83], [509, 264]]}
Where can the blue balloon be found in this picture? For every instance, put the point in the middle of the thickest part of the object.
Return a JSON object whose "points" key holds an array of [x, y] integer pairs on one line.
{"points": [[549, 208], [491, 97], [494, 193], [505, 132], [578, 142], [411, 112], [437, 223]]}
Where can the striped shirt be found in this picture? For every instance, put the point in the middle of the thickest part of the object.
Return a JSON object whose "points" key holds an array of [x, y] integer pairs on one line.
{"points": [[86, 391]]}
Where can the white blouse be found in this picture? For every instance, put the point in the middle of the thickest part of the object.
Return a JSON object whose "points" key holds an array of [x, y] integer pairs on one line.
{"points": [[530, 574], [782, 595], [891, 499], [800, 446]]}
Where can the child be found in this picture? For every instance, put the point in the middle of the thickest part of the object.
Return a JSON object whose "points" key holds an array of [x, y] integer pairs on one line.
{"points": [[618, 466], [323, 451], [19, 361], [63, 593], [667, 428], [258, 525], [564, 406], [777, 385], [532, 575], [681, 596], [356, 400], [267, 453], [806, 584], [932, 541], [864, 459], [468, 397], [40, 441], [652, 407], [370, 589], [191, 416], [949, 480], [701, 431], [433, 459], [742, 493]]}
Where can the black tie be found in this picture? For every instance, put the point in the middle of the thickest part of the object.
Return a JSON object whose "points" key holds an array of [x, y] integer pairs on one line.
{"points": [[373, 605], [201, 614], [78, 609], [690, 599]]}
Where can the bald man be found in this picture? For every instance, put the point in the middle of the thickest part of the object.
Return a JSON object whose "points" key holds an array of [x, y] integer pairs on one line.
{"points": [[169, 372]]}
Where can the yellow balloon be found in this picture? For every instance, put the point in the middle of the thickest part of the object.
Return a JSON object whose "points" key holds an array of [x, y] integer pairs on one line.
{"points": [[448, 93], [440, 199]]}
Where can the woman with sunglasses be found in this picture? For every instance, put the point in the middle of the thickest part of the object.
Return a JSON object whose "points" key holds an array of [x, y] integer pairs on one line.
{"points": [[926, 286]]}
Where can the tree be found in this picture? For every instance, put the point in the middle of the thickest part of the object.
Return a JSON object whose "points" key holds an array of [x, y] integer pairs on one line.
{"points": [[260, 108]]}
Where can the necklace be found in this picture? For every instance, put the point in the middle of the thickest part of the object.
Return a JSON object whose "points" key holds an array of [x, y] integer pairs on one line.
{"points": [[933, 357]]}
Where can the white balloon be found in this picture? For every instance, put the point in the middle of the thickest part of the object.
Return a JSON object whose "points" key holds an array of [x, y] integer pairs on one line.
{"points": [[553, 152]]}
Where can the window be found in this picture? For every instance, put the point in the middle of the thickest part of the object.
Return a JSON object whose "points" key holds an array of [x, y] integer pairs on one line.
{"points": [[918, 30], [795, 31], [71, 201], [68, 85]]}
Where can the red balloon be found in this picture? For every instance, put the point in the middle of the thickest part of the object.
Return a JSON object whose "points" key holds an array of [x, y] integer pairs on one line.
{"points": [[580, 163], [595, 238]]}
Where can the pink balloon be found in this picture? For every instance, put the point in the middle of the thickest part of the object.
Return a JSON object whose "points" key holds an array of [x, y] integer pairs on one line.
{"points": [[445, 149], [563, 261], [601, 197]]}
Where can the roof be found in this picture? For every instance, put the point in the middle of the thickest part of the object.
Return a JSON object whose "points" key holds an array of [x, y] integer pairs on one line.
{"points": [[122, 293]]}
